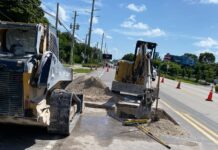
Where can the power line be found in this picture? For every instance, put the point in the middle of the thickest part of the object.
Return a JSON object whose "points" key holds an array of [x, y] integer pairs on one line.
{"points": [[5, 15]]}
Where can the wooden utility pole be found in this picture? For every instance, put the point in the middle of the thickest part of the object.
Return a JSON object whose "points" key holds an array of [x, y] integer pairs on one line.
{"points": [[73, 37], [91, 20]]}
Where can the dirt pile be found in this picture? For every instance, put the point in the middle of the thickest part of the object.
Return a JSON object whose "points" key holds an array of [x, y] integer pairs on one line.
{"points": [[92, 88], [166, 127]]}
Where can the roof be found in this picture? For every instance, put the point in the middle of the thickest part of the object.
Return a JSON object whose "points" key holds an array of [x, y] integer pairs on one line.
{"points": [[7, 25]]}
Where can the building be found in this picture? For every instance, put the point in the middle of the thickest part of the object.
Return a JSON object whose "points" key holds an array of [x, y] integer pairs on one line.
{"points": [[182, 60]]}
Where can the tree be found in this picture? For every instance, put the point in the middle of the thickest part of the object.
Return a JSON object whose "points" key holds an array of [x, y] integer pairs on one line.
{"points": [[28, 11], [129, 57], [192, 56], [207, 58]]}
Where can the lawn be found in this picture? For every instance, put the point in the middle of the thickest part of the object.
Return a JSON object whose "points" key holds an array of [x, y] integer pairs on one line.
{"points": [[82, 70]]}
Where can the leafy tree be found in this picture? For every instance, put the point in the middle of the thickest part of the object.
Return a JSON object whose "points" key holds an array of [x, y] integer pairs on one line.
{"points": [[28, 11], [129, 57], [192, 56], [206, 57]]}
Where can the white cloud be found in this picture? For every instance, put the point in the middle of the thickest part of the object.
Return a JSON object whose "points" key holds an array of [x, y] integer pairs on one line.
{"points": [[207, 43], [136, 8], [98, 31], [209, 1], [63, 14], [132, 25], [139, 29], [132, 18], [109, 37], [203, 1], [95, 20], [149, 33]]}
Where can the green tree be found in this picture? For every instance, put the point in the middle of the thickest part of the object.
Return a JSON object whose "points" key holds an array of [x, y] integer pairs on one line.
{"points": [[206, 57], [192, 56], [28, 11], [129, 57]]}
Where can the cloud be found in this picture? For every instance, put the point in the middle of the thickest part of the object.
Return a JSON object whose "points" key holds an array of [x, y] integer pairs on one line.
{"points": [[149, 33], [207, 43], [132, 18], [136, 8], [138, 29], [95, 20], [100, 31], [109, 37], [131, 23], [203, 1], [63, 14]]}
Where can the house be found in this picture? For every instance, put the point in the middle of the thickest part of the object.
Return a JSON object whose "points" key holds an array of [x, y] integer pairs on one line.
{"points": [[182, 60]]}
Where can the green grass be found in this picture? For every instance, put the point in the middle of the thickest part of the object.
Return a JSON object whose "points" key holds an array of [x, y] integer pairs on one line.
{"points": [[67, 65], [82, 70], [188, 81], [181, 79]]}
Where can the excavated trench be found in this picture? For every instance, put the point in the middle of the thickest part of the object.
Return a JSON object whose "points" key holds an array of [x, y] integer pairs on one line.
{"points": [[97, 95]]}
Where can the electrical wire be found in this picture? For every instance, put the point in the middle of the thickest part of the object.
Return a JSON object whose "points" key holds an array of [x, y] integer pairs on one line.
{"points": [[5, 16]]}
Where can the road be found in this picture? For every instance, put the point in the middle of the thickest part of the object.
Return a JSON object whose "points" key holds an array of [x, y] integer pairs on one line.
{"points": [[96, 130], [190, 109], [199, 116]]}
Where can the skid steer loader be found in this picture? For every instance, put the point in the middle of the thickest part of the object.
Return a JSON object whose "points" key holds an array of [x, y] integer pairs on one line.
{"points": [[135, 78], [32, 79]]}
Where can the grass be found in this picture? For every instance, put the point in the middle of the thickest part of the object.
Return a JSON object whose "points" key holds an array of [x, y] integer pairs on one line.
{"points": [[82, 70], [190, 81]]}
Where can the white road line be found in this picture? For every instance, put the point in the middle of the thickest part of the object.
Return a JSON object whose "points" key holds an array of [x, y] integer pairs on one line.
{"points": [[101, 74]]}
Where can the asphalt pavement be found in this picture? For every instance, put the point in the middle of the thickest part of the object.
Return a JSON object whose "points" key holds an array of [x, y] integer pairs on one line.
{"points": [[96, 130]]}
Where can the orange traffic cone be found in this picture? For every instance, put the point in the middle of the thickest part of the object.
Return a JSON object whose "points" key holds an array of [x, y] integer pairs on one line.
{"points": [[162, 81], [210, 95], [179, 85]]}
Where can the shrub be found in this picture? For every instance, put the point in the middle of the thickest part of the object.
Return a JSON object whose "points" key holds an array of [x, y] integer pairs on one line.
{"points": [[216, 88]]}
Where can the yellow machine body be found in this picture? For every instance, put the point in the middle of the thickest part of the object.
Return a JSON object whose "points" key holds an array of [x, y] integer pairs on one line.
{"points": [[125, 69]]}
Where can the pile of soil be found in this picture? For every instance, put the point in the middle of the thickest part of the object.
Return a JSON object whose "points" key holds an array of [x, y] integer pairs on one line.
{"points": [[166, 127], [92, 88]]}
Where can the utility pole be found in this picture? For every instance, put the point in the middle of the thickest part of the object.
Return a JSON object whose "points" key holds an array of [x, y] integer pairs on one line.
{"points": [[102, 42], [105, 48], [91, 19], [86, 46], [57, 17], [73, 34]]}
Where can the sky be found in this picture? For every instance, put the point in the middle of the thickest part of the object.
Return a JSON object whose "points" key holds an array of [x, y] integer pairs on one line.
{"points": [[177, 26]]}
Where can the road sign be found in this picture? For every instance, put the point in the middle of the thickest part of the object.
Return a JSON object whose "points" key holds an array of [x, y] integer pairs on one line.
{"points": [[107, 56]]}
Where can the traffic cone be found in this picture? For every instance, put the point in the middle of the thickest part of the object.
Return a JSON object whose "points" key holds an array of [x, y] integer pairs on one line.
{"points": [[162, 81], [210, 95], [179, 85]]}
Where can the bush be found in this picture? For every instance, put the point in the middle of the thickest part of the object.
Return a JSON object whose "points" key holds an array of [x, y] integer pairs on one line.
{"points": [[216, 88]]}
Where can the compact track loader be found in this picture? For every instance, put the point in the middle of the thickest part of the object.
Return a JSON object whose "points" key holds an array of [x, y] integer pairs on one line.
{"points": [[135, 78], [32, 79]]}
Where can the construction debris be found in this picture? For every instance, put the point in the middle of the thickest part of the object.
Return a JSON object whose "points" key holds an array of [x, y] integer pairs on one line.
{"points": [[92, 88]]}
